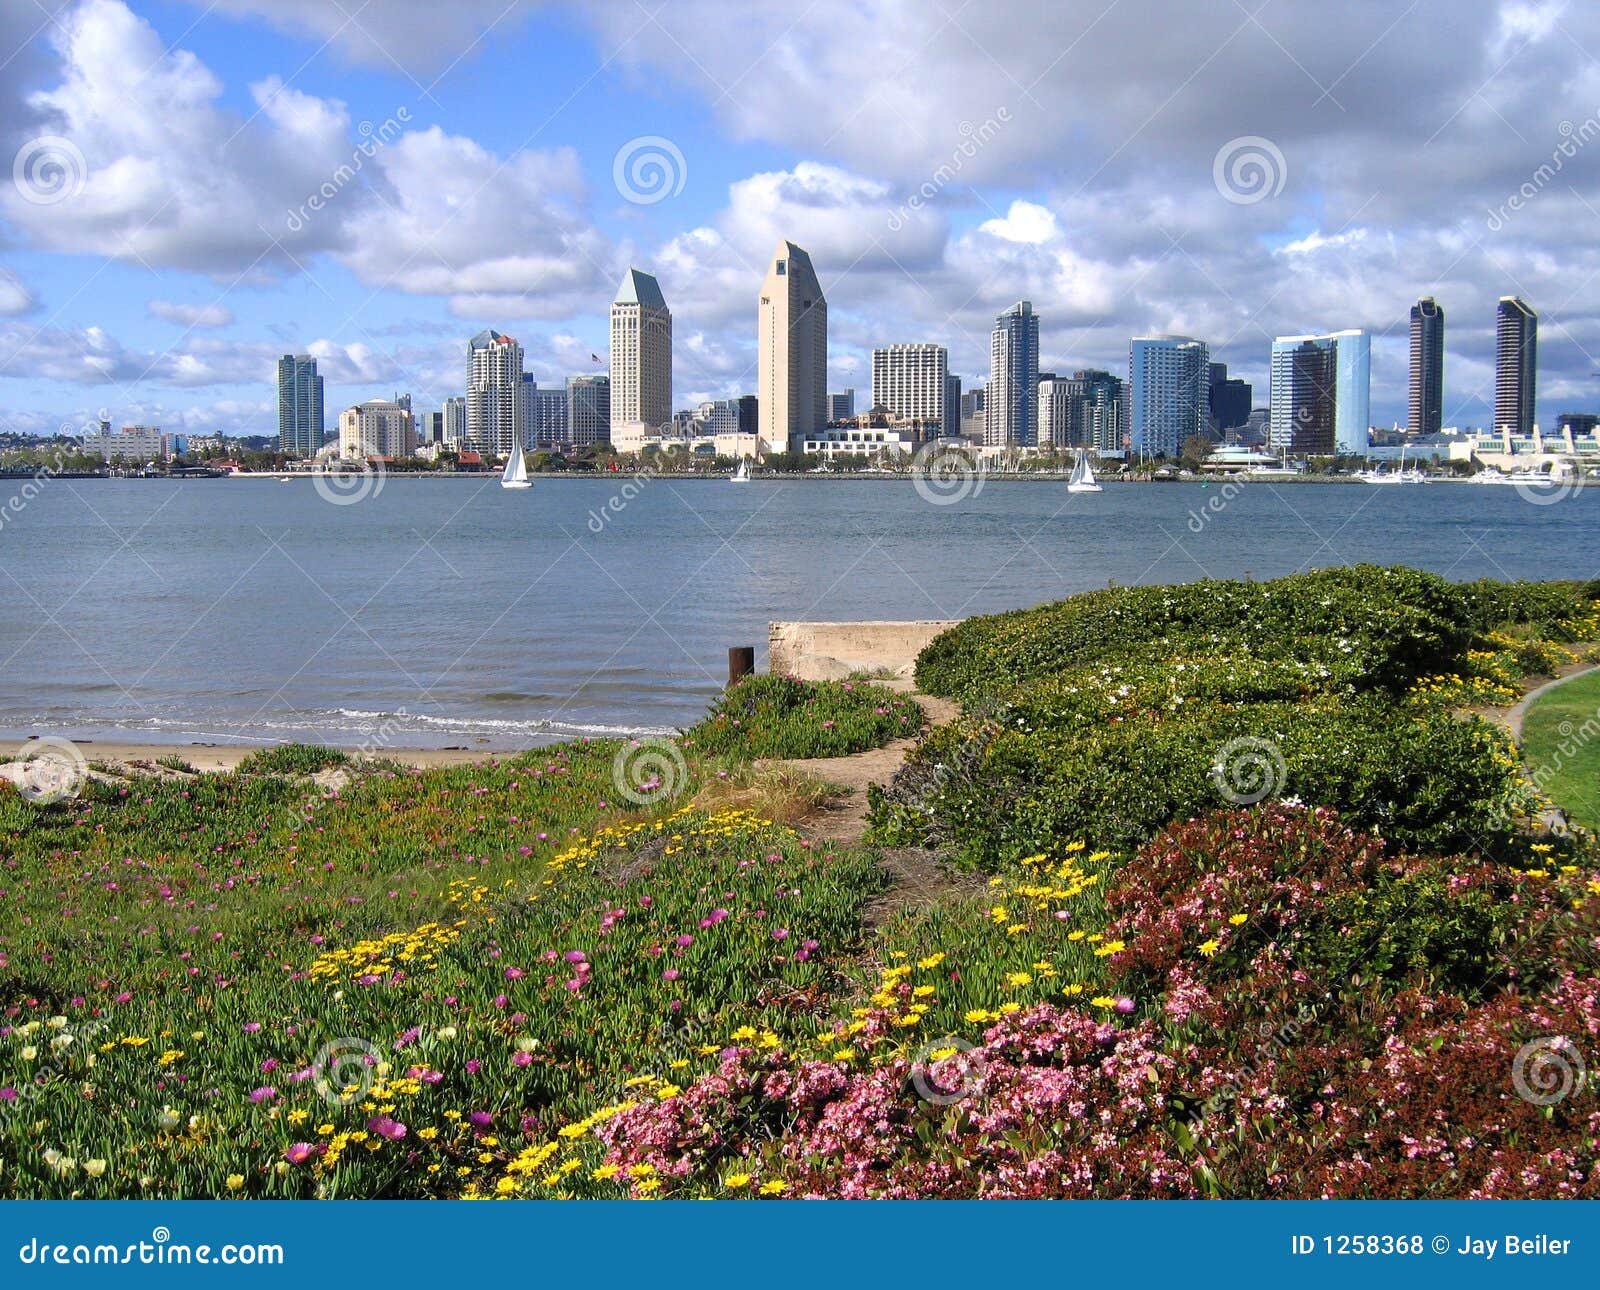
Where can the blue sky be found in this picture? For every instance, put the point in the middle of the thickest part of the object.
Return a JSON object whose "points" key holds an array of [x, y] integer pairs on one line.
{"points": [[938, 161]]}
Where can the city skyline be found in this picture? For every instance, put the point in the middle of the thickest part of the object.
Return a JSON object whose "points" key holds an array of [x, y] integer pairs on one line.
{"points": [[356, 244]]}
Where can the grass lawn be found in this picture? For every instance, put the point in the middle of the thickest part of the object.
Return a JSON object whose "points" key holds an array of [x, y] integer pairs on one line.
{"points": [[1561, 746]]}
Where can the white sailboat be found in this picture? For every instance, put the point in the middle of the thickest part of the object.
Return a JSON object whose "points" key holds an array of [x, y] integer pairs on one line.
{"points": [[741, 472], [515, 474], [1082, 479]]}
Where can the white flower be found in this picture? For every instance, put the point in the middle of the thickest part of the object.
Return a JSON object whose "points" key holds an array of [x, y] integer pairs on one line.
{"points": [[94, 1168], [29, 1053]]}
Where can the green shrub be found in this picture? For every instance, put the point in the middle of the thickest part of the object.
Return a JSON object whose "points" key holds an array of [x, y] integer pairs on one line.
{"points": [[993, 793], [1381, 627], [779, 716], [291, 759]]}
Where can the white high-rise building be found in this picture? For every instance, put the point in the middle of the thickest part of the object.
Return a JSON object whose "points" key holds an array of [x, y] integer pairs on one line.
{"points": [[792, 351], [496, 402], [377, 428], [1012, 405], [641, 353], [912, 381], [455, 422]]}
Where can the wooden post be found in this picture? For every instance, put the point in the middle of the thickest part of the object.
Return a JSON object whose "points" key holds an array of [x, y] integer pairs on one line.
{"points": [[741, 662]]}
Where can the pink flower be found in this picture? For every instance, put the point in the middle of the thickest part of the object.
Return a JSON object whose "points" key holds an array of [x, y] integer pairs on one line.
{"points": [[575, 956], [264, 1094], [386, 1126], [671, 974], [514, 974], [299, 1153], [520, 1058]]}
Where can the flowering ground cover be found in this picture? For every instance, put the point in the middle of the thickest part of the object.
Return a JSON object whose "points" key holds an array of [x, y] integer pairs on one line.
{"points": [[551, 977], [781, 716]]}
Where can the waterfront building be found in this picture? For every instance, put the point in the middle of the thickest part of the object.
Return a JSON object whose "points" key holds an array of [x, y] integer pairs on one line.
{"points": [[547, 418], [1321, 390], [377, 428], [130, 443], [1011, 408], [791, 350], [496, 416], [1516, 365], [589, 410], [952, 406], [299, 406], [972, 414], [641, 352], [430, 428], [1425, 407], [1229, 400], [1168, 393], [455, 422], [842, 406], [912, 382]]}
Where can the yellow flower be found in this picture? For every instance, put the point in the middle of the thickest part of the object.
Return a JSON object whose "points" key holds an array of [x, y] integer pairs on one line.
{"points": [[428, 1134], [298, 1116], [667, 1092], [744, 1034], [978, 1016], [235, 1182], [735, 1181], [1103, 1001], [648, 1187], [326, 1129], [844, 1055], [604, 1173], [1237, 919], [94, 1168], [1018, 979], [135, 1041], [1208, 948]]}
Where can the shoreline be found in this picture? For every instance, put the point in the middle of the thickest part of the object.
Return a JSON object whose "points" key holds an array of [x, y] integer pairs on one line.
{"points": [[213, 757], [853, 477]]}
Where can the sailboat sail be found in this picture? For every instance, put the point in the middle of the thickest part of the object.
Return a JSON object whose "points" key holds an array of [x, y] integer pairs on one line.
{"points": [[516, 471]]}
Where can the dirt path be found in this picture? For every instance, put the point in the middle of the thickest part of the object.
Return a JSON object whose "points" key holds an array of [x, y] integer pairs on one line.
{"points": [[842, 819]]}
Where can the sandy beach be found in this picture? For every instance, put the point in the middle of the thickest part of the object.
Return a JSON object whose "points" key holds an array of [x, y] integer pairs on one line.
{"points": [[223, 757]]}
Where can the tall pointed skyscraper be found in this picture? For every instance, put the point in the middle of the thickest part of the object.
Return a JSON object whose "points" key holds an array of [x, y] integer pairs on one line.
{"points": [[1427, 367], [792, 350], [299, 406], [1516, 365], [641, 353], [496, 394], [1012, 407]]}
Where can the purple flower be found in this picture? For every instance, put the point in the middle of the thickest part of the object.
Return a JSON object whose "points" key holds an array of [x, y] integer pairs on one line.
{"points": [[576, 956], [8, 1094], [264, 1094], [299, 1153], [386, 1126]]}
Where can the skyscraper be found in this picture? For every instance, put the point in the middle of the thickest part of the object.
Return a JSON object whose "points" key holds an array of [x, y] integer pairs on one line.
{"points": [[1516, 365], [641, 353], [299, 406], [1426, 409], [1168, 392], [455, 421], [912, 381], [1229, 399], [1011, 409], [1321, 391], [589, 409], [842, 405], [952, 406], [792, 350], [496, 411], [547, 418]]}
